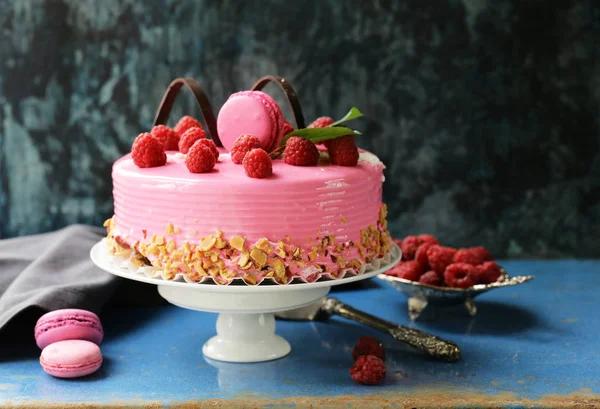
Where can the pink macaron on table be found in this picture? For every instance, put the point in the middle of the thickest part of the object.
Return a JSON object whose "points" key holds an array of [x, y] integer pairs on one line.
{"points": [[72, 358]]}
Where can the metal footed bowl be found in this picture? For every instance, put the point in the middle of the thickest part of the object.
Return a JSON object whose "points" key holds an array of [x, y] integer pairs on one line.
{"points": [[421, 295]]}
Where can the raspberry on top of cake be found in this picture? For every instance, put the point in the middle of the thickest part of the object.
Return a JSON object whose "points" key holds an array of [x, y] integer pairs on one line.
{"points": [[276, 205]]}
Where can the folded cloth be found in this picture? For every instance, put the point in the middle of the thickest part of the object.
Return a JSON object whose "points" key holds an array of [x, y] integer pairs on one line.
{"points": [[52, 271]]}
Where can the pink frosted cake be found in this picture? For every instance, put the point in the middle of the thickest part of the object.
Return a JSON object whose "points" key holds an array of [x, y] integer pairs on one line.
{"points": [[304, 221]]}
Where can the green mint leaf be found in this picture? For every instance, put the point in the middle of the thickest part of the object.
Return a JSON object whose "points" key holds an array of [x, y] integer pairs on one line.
{"points": [[354, 113], [320, 134]]}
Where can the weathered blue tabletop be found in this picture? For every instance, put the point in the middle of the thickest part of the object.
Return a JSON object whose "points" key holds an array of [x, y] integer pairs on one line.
{"points": [[532, 345]]}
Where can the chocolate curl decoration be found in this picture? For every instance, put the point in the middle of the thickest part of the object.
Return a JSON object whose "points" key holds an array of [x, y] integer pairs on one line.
{"points": [[164, 109], [289, 92]]}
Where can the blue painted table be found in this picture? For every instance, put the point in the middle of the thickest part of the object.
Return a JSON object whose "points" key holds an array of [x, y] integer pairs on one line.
{"points": [[532, 345]]}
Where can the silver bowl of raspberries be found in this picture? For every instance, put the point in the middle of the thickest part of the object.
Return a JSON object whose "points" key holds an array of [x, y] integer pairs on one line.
{"points": [[434, 275]]}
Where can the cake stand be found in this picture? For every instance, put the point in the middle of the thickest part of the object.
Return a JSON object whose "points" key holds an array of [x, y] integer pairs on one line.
{"points": [[246, 321]]}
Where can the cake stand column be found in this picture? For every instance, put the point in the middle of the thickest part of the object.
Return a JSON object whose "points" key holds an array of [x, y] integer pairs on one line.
{"points": [[246, 338]]}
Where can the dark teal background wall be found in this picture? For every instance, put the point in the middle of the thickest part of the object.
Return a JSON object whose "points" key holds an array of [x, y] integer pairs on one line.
{"points": [[486, 112]]}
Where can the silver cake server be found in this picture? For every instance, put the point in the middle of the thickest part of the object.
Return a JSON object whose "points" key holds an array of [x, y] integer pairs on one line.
{"points": [[322, 310]]}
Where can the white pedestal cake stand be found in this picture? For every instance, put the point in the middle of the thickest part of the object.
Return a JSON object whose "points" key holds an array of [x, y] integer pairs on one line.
{"points": [[246, 324]]}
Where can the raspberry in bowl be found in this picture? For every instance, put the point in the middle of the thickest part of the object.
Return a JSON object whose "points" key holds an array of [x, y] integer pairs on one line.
{"points": [[433, 274]]}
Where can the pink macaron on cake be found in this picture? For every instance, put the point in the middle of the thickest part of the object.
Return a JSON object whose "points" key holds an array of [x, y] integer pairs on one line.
{"points": [[60, 325], [259, 199]]}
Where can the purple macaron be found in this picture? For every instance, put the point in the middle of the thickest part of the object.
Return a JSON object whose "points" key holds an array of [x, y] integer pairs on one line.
{"points": [[60, 325]]}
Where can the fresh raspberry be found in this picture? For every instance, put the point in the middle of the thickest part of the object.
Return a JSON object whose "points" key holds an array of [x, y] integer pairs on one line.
{"points": [[147, 151], [189, 137], [427, 238], [287, 128], [242, 145], [321, 122], [210, 145], [368, 370], [343, 151], [487, 273], [168, 137], [474, 256], [461, 275], [409, 247], [440, 257], [185, 123], [430, 278], [421, 255], [409, 270], [258, 164], [300, 152], [368, 346], [200, 158]]}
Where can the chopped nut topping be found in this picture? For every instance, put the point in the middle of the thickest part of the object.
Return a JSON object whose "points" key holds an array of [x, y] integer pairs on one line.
{"points": [[170, 229], [259, 256], [262, 244], [208, 243], [213, 271], [343, 219], [279, 268], [199, 269], [171, 246], [250, 279], [243, 259], [237, 242], [220, 243]]}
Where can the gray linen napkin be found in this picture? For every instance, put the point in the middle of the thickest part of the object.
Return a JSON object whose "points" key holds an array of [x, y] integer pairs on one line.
{"points": [[52, 271]]}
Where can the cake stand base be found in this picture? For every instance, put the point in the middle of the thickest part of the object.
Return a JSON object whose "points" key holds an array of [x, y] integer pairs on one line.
{"points": [[246, 321], [246, 324], [246, 338]]}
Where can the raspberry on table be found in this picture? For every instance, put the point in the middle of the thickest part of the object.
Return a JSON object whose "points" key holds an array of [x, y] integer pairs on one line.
{"points": [[368, 370], [321, 122], [427, 238], [487, 273], [200, 158], [147, 151], [474, 256], [430, 278], [409, 247], [408, 270], [189, 137], [186, 122], [300, 152], [257, 164], [460, 275], [242, 145], [421, 255], [343, 151], [168, 137], [440, 257], [368, 346]]}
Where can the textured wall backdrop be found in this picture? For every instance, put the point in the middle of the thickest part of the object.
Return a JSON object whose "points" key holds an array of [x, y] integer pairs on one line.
{"points": [[486, 112]]}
